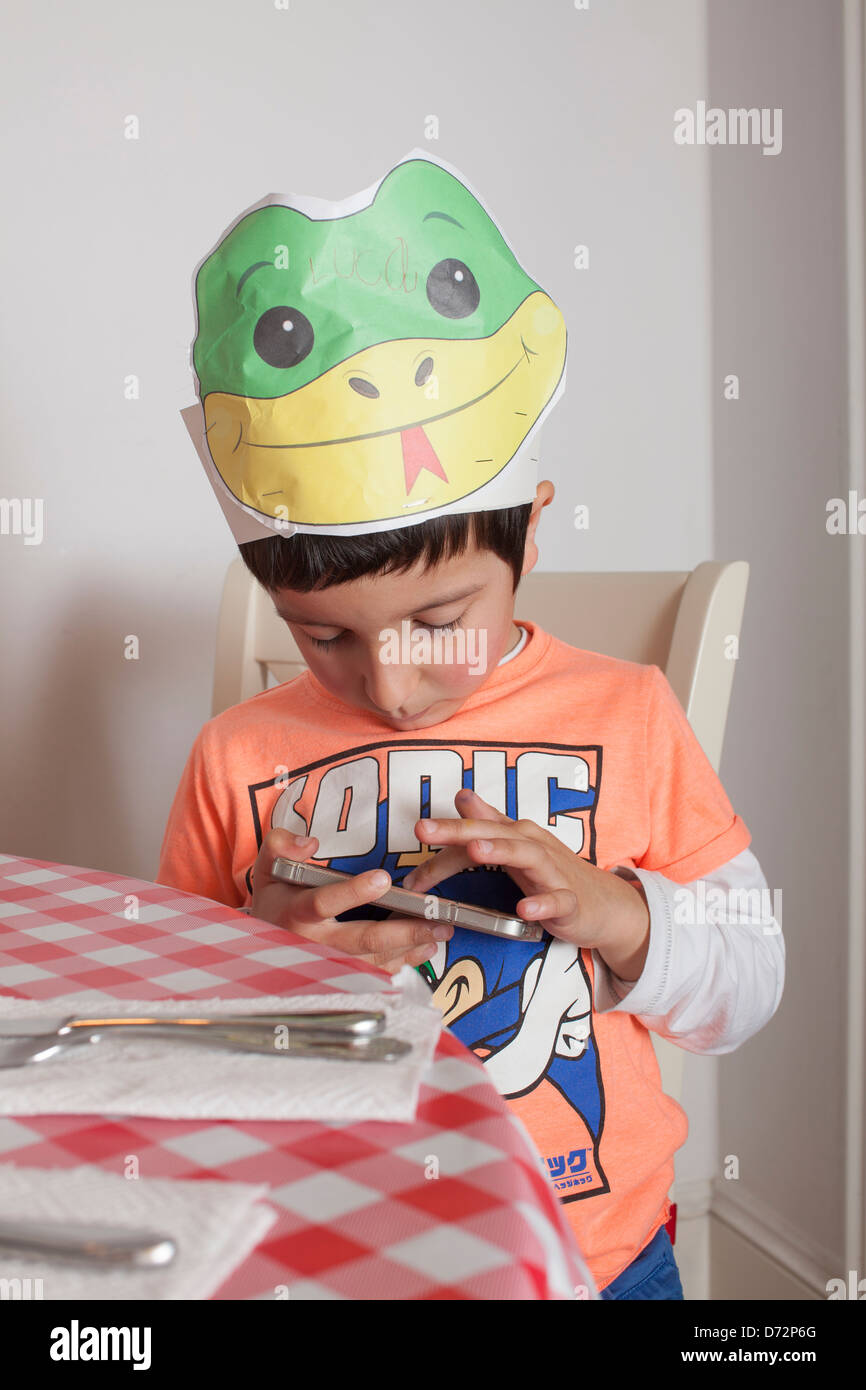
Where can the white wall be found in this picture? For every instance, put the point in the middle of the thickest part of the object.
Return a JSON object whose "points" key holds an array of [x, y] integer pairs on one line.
{"points": [[562, 120], [779, 298]]}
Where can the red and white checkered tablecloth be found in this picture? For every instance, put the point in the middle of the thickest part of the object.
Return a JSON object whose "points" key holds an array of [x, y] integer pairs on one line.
{"points": [[357, 1217]]}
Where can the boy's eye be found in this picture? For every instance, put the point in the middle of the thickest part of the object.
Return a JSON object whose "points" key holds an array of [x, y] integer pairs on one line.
{"points": [[332, 641]]}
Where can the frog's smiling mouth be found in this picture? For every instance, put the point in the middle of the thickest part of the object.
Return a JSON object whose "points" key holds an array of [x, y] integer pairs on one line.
{"points": [[394, 429]]}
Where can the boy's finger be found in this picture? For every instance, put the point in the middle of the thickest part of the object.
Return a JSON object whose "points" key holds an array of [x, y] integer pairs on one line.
{"points": [[457, 832], [384, 940], [516, 852], [559, 902], [469, 803], [317, 904], [440, 865], [395, 963], [513, 853], [281, 844], [278, 844], [418, 956]]}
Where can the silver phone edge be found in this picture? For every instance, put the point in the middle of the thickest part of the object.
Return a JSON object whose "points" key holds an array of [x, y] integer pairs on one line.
{"points": [[512, 927]]}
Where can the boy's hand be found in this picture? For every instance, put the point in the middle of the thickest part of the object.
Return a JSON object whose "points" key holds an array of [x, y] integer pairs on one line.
{"points": [[571, 898], [311, 912]]}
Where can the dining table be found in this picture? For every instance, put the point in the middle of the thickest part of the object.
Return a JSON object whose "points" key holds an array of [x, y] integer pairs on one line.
{"points": [[356, 1216]]}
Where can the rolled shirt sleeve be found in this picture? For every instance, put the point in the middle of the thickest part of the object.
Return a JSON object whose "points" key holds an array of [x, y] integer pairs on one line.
{"points": [[715, 969]]}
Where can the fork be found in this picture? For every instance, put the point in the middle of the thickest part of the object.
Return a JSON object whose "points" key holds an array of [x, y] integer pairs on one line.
{"points": [[90, 1243]]}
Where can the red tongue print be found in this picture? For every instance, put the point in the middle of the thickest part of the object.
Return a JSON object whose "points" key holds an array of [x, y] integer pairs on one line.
{"points": [[419, 453]]}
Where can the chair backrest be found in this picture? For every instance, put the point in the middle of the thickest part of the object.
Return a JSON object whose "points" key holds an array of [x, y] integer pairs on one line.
{"points": [[685, 622]]}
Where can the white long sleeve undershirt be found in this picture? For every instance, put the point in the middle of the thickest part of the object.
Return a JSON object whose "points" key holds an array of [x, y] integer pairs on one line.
{"points": [[714, 973]]}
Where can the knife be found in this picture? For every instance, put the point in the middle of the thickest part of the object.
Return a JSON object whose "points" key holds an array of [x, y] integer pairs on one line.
{"points": [[355, 1021], [64, 1240], [17, 1051]]}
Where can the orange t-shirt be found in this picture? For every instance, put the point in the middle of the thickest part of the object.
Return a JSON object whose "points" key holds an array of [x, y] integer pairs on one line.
{"points": [[596, 750]]}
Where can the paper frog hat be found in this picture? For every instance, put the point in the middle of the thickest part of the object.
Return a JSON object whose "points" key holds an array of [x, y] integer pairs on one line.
{"points": [[373, 363]]}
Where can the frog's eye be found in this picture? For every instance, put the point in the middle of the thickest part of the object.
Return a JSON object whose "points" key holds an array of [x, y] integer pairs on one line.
{"points": [[283, 337], [452, 289]]}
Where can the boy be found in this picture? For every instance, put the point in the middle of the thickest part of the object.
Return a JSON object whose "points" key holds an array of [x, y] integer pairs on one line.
{"points": [[582, 798]]}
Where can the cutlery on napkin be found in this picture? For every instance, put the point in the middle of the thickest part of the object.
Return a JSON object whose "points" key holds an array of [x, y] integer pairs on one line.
{"points": [[20, 1052], [213, 1225], [183, 1080], [358, 1021], [352, 1035], [86, 1242]]}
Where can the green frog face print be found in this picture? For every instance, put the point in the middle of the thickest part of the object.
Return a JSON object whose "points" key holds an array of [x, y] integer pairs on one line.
{"points": [[373, 361]]}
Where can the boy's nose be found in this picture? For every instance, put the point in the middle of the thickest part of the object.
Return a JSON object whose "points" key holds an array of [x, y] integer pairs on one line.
{"points": [[390, 686]]}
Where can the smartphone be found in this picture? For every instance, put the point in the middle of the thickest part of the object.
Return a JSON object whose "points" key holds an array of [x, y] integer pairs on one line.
{"points": [[416, 904]]}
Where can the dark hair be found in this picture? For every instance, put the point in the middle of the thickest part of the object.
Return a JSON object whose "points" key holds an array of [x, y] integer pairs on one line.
{"points": [[304, 562]]}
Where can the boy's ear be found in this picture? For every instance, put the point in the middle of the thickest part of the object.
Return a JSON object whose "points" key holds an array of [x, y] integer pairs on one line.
{"points": [[543, 497]]}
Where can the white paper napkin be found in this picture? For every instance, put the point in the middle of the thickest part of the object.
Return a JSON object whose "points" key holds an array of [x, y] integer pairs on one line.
{"points": [[173, 1080], [215, 1226]]}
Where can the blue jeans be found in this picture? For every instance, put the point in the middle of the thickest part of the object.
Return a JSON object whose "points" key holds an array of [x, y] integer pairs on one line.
{"points": [[652, 1274]]}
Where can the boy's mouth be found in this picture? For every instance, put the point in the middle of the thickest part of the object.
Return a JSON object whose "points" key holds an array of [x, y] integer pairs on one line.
{"points": [[416, 715], [406, 718]]}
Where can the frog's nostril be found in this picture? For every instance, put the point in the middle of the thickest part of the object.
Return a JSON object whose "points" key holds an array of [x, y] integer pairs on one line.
{"points": [[424, 371], [364, 388]]}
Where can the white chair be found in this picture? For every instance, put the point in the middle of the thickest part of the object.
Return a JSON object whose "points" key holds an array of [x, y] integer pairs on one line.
{"points": [[680, 621]]}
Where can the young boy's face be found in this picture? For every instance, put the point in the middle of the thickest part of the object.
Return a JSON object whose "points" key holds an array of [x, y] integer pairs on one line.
{"points": [[473, 589]]}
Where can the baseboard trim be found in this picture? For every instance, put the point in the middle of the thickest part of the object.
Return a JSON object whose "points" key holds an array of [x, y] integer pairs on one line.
{"points": [[774, 1252], [808, 1263]]}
